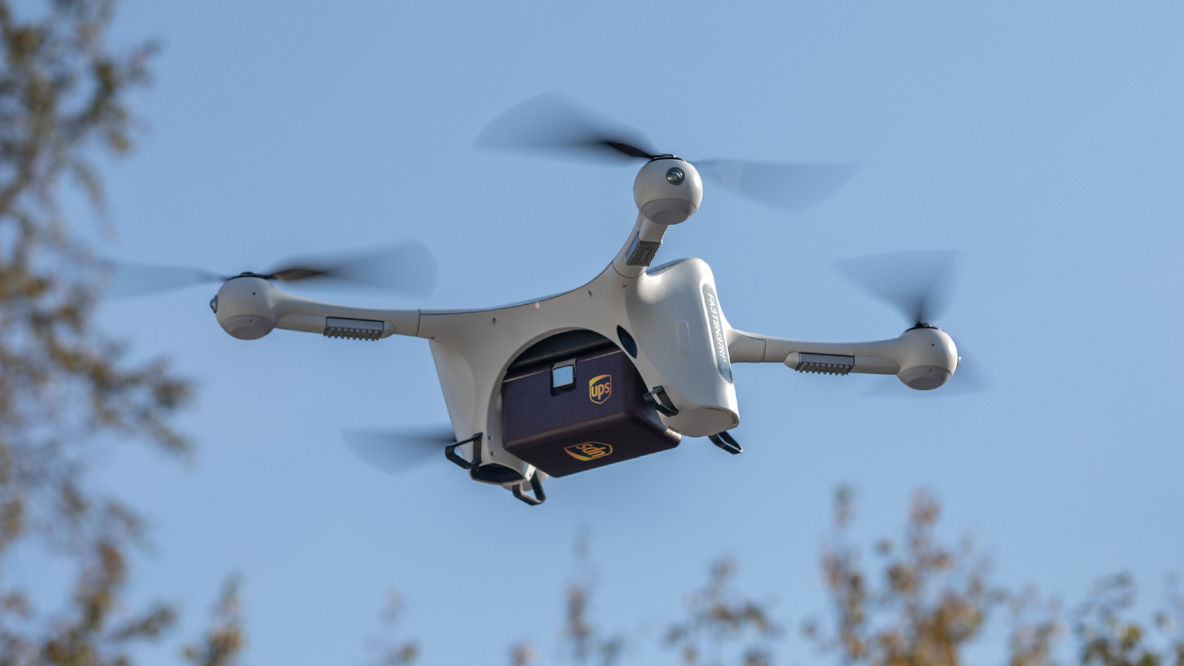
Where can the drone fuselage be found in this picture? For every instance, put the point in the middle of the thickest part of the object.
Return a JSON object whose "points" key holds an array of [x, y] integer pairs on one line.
{"points": [[668, 319]]}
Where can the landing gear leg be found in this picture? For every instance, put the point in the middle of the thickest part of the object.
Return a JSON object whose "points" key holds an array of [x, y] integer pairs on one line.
{"points": [[536, 487], [454, 457], [725, 441]]}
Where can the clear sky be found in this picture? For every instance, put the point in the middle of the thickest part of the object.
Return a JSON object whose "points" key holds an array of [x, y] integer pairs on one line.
{"points": [[1043, 140]]}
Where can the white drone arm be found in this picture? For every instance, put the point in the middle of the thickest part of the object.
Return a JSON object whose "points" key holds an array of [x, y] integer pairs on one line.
{"points": [[667, 191], [923, 357], [250, 307]]}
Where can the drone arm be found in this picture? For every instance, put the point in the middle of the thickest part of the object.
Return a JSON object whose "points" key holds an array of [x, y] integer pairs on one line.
{"points": [[922, 357], [881, 357], [250, 307], [343, 321], [747, 347], [638, 252]]}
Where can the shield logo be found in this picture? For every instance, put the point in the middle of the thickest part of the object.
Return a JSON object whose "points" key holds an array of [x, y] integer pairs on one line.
{"points": [[600, 388], [589, 451]]}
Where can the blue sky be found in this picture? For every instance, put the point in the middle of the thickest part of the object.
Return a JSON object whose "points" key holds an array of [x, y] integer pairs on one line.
{"points": [[1041, 140]]}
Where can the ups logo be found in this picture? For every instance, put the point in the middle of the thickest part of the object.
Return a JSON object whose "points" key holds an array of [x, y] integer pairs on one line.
{"points": [[588, 451], [600, 388]]}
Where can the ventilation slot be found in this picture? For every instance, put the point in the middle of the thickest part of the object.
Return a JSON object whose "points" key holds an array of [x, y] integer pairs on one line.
{"points": [[642, 253], [826, 364], [353, 329]]}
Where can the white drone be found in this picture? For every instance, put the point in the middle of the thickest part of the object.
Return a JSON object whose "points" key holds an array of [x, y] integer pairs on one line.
{"points": [[622, 366]]}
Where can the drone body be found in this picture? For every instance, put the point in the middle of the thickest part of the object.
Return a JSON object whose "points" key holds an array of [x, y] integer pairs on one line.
{"points": [[660, 332]]}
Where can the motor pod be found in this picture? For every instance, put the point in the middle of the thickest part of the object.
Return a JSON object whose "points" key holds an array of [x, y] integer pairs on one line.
{"points": [[929, 358], [668, 190], [243, 307]]}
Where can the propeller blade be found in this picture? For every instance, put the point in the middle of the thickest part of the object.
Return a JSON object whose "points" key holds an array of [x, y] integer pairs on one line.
{"points": [[405, 267], [399, 450], [966, 381], [917, 283], [129, 280], [550, 123], [969, 377], [788, 187]]}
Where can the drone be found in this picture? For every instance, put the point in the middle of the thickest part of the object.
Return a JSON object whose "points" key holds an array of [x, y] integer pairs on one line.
{"points": [[622, 366]]}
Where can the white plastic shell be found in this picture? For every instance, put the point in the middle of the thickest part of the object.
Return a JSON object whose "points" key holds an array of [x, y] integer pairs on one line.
{"points": [[929, 360], [245, 308], [668, 190]]}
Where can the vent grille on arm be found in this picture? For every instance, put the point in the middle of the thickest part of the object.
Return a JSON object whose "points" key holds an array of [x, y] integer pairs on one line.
{"points": [[826, 364], [353, 329]]}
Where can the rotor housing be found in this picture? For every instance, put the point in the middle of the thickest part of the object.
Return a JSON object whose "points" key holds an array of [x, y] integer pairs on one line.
{"points": [[930, 358], [244, 309], [668, 190]]}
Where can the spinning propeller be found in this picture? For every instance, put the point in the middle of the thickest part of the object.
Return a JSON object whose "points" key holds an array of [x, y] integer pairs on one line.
{"points": [[407, 268], [553, 125], [395, 451], [920, 285]]}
